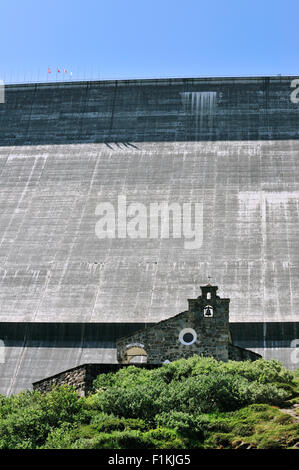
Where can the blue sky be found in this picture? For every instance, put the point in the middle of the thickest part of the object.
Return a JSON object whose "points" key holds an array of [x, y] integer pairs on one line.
{"points": [[143, 39]]}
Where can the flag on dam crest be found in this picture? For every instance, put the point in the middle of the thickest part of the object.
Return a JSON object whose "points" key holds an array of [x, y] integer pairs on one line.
{"points": [[58, 70]]}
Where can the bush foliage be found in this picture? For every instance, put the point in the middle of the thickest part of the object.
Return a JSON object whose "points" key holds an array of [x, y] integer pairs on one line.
{"points": [[196, 402]]}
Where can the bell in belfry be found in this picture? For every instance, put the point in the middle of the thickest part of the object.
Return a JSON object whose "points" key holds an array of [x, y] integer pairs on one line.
{"points": [[208, 311]]}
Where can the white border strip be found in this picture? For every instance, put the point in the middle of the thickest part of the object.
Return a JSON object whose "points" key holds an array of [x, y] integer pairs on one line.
{"points": [[2, 352], [2, 92]]}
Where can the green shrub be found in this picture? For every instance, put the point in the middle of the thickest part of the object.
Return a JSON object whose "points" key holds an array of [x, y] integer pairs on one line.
{"points": [[204, 394], [24, 429], [222, 441], [103, 422], [185, 424], [196, 402], [61, 438], [9, 405], [35, 414], [138, 402], [243, 429], [197, 385], [283, 419], [128, 377], [261, 371], [115, 440], [164, 438], [267, 393]]}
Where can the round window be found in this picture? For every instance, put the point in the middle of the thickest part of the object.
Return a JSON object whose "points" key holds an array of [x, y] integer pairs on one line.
{"points": [[187, 336]]}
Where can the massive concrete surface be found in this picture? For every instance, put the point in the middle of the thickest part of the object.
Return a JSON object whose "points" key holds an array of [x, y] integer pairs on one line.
{"points": [[230, 144], [55, 269], [171, 110]]}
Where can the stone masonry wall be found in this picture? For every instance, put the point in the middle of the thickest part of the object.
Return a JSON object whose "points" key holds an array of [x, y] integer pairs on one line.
{"points": [[75, 377], [162, 343], [235, 353], [80, 377]]}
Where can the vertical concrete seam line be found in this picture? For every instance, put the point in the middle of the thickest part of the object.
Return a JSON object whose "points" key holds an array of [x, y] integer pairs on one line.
{"points": [[112, 111], [19, 361]]}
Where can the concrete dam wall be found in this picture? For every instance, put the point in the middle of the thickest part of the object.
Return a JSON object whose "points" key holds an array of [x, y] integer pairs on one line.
{"points": [[230, 145]]}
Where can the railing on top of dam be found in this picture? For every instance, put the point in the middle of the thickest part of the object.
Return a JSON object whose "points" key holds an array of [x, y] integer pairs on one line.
{"points": [[102, 78]]}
